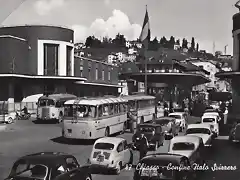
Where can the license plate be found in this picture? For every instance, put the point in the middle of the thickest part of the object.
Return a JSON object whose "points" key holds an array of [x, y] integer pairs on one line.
{"points": [[69, 130], [100, 158]]}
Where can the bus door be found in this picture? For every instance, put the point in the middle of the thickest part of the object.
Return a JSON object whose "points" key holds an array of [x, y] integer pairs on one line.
{"points": [[99, 122]]}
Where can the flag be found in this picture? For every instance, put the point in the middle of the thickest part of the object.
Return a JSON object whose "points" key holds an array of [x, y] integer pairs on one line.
{"points": [[145, 33]]}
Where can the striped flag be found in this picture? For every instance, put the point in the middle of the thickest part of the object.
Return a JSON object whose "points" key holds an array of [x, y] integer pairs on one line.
{"points": [[145, 34]]}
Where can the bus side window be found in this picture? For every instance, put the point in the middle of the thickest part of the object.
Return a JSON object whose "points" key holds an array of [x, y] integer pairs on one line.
{"points": [[121, 107], [100, 111], [116, 108], [106, 110], [111, 110]]}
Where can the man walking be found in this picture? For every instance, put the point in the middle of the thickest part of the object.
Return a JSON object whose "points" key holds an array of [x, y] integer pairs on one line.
{"points": [[143, 146]]}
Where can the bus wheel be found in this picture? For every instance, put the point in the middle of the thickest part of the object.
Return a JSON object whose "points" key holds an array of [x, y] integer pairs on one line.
{"points": [[142, 120], [107, 132]]}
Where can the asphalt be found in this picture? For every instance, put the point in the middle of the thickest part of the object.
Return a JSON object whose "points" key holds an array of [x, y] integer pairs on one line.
{"points": [[25, 137]]}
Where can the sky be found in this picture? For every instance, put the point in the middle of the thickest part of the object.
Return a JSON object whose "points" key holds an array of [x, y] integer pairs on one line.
{"points": [[208, 21]]}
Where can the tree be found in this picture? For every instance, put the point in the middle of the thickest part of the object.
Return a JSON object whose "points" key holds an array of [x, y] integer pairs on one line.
{"points": [[163, 41], [89, 41], [184, 43], [171, 42], [197, 48], [178, 42], [154, 45], [193, 44], [119, 40], [218, 53]]}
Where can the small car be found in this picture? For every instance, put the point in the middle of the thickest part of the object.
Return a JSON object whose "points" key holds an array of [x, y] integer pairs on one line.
{"points": [[203, 131], [234, 135], [180, 119], [49, 166], [190, 146], [110, 153], [212, 120], [169, 126], [212, 112], [153, 133], [164, 166]]}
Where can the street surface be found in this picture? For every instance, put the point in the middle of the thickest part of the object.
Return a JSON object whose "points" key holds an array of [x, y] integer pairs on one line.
{"points": [[25, 137]]}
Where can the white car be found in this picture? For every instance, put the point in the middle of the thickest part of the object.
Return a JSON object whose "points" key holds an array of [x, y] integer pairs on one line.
{"points": [[180, 119], [189, 146], [212, 112], [8, 117], [203, 131], [212, 120], [110, 153]]}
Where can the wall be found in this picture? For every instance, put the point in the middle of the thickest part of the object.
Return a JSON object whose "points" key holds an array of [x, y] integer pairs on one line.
{"points": [[89, 71], [32, 34]]}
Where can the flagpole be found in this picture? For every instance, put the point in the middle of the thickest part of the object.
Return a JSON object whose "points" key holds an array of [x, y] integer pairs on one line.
{"points": [[145, 66]]}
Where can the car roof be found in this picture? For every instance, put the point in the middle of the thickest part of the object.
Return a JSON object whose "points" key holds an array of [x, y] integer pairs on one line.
{"points": [[202, 125], [209, 116], [211, 110], [165, 118], [176, 113], [149, 124], [112, 140], [190, 138], [164, 157], [46, 158]]}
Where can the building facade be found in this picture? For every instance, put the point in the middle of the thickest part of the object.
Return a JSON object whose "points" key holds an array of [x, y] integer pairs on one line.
{"points": [[40, 59]]}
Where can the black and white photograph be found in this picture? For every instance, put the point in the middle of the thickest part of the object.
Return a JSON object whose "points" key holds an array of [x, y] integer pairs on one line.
{"points": [[120, 90]]}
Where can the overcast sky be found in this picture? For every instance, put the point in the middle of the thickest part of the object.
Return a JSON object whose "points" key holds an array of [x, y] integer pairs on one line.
{"points": [[206, 20]]}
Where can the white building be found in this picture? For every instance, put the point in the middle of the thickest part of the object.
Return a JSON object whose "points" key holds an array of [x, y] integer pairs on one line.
{"points": [[212, 69]]}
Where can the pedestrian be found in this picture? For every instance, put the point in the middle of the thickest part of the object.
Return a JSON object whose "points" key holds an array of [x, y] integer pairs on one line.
{"points": [[143, 146]]}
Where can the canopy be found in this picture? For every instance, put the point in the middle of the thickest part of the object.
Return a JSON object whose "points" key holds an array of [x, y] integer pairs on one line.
{"points": [[32, 98]]}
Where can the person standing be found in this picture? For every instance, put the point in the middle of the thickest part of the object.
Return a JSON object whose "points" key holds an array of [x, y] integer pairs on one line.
{"points": [[143, 146]]}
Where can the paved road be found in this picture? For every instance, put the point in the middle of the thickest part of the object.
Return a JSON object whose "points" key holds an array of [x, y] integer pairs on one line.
{"points": [[25, 137]]}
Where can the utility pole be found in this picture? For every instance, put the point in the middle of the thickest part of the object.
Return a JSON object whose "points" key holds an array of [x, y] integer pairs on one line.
{"points": [[214, 47]]}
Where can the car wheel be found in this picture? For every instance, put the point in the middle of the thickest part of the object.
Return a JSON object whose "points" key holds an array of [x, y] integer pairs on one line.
{"points": [[88, 177], [118, 168], [10, 120], [156, 146]]}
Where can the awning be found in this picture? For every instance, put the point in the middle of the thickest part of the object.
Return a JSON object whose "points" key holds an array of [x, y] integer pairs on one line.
{"points": [[98, 84], [228, 75], [188, 79]]}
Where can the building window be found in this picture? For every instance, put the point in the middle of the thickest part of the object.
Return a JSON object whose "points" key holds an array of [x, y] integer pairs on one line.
{"points": [[50, 59], [81, 62], [109, 75], [69, 59], [89, 73], [81, 71], [103, 73], [96, 73]]}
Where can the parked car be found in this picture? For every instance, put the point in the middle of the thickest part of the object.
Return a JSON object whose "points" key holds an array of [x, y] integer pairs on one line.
{"points": [[190, 146], [158, 164], [203, 131], [234, 135], [110, 153], [180, 119], [49, 166], [153, 133], [169, 126], [213, 121]]}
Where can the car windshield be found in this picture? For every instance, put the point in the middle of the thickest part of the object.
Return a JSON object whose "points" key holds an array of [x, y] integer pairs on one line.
{"points": [[28, 170], [104, 146], [208, 120], [181, 146], [175, 116], [146, 129], [46, 102], [198, 131]]}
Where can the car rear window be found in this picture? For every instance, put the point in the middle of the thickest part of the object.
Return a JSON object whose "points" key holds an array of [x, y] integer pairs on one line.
{"points": [[105, 146], [175, 116], [208, 119], [162, 121], [198, 130], [183, 146]]}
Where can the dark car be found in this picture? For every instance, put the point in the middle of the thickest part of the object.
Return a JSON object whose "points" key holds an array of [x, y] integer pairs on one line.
{"points": [[234, 135], [169, 126], [49, 166], [162, 166], [153, 133]]}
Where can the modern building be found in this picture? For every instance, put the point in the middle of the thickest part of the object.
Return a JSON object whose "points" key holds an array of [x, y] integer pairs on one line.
{"points": [[40, 59]]}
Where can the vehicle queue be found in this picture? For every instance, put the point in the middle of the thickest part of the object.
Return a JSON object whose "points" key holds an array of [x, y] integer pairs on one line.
{"points": [[100, 117]]}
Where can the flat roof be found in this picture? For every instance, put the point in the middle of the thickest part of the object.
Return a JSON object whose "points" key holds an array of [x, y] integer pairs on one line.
{"points": [[34, 25]]}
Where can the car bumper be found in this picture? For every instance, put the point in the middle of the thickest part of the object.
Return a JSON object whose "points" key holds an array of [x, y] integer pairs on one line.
{"points": [[102, 167]]}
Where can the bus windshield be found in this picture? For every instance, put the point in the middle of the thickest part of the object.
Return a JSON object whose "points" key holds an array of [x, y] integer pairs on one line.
{"points": [[46, 102], [80, 111]]}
